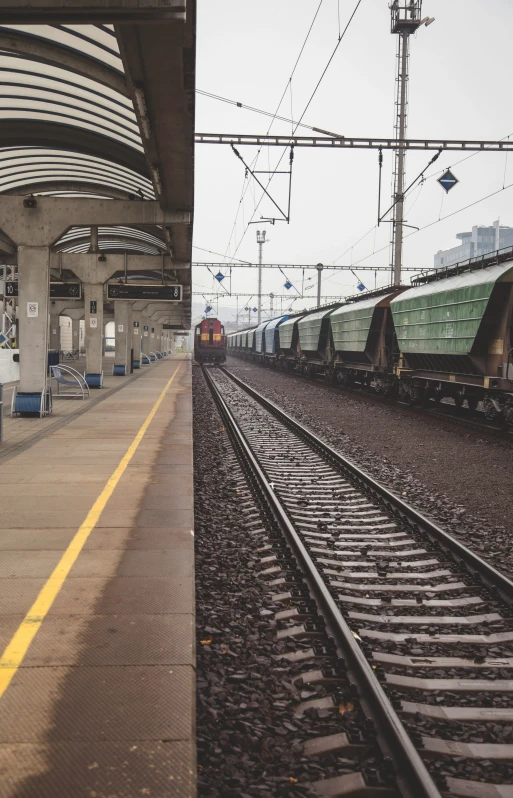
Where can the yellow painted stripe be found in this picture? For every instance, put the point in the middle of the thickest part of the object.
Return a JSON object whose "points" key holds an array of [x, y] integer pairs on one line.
{"points": [[15, 652]]}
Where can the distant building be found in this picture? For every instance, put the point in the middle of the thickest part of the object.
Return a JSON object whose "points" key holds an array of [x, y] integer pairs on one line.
{"points": [[480, 241]]}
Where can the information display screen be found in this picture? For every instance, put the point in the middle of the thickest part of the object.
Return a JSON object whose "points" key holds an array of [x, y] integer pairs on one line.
{"points": [[57, 290], [159, 293]]}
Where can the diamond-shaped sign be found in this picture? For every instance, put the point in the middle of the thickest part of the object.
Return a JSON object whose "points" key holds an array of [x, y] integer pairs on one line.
{"points": [[220, 277], [288, 285], [360, 287], [208, 308], [448, 180], [255, 310]]}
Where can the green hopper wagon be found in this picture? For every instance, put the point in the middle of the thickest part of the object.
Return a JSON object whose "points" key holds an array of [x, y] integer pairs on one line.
{"points": [[455, 336]]}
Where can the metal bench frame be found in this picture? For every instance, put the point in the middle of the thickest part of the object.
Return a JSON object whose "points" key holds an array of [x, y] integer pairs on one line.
{"points": [[77, 381]]}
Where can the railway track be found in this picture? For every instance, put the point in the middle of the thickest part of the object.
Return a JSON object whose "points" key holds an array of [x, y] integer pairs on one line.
{"points": [[422, 623]]}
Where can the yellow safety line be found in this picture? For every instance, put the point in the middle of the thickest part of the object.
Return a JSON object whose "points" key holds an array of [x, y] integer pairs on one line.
{"points": [[15, 652]]}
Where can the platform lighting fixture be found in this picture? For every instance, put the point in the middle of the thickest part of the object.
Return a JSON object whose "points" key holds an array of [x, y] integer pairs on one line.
{"points": [[30, 202], [140, 101]]}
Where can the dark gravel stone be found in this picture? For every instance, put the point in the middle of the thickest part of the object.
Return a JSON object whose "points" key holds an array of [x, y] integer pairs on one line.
{"points": [[248, 737]]}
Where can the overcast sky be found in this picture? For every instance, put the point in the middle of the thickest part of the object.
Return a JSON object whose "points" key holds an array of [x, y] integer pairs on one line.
{"points": [[460, 87]]}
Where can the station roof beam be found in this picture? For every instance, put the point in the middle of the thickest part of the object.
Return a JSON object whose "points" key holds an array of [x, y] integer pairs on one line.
{"points": [[97, 102]]}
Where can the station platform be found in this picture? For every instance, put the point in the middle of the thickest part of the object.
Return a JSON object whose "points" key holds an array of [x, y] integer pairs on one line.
{"points": [[18, 431], [97, 599]]}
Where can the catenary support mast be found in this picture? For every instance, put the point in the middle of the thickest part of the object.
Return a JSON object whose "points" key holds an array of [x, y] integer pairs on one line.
{"points": [[406, 19]]}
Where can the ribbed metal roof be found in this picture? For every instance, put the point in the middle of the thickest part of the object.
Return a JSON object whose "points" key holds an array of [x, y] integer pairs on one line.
{"points": [[68, 126]]}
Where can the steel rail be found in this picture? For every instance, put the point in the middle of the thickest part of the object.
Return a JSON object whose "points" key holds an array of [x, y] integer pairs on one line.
{"points": [[487, 572], [346, 143], [413, 778]]}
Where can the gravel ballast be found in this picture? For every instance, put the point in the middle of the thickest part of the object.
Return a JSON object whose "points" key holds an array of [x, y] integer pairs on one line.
{"points": [[455, 475], [249, 736]]}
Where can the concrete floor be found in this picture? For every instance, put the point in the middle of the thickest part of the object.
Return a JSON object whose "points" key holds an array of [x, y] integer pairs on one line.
{"points": [[19, 431], [102, 702]]}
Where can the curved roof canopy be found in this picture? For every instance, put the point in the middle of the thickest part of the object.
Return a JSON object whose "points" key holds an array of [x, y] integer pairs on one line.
{"points": [[80, 116], [65, 113]]}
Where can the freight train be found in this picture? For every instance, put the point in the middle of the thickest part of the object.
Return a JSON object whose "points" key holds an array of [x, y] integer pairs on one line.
{"points": [[448, 335], [210, 342]]}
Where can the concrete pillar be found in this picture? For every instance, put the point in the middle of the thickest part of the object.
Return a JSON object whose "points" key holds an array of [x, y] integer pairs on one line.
{"points": [[33, 303], [153, 340], [158, 335], [145, 339], [76, 314], [123, 326], [75, 334], [137, 330], [55, 333], [93, 298]]}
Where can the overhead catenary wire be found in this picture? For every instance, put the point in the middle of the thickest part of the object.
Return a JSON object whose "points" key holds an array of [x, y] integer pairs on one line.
{"points": [[426, 178], [340, 39], [255, 159], [275, 117], [443, 218], [211, 252]]}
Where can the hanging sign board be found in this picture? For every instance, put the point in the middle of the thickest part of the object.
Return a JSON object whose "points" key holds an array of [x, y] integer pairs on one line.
{"points": [[65, 290], [159, 293], [57, 290], [172, 326]]}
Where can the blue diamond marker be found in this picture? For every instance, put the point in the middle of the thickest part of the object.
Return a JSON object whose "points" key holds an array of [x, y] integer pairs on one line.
{"points": [[360, 287], [255, 310], [448, 180], [3, 339], [288, 285], [220, 277], [208, 308]]}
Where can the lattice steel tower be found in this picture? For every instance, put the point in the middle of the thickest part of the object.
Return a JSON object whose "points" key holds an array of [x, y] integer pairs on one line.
{"points": [[406, 19]]}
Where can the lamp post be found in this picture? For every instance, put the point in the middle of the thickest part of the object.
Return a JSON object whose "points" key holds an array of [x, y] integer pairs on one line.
{"points": [[260, 241], [320, 267]]}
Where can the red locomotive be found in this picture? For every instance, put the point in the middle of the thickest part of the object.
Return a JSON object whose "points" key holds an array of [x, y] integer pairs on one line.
{"points": [[210, 342]]}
